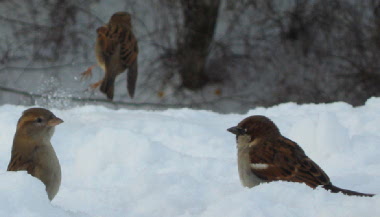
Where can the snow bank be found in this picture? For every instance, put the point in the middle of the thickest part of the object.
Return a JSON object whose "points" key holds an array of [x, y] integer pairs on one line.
{"points": [[183, 163], [22, 195]]}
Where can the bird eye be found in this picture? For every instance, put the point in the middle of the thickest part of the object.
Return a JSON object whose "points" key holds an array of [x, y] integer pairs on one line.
{"points": [[242, 131], [39, 120]]}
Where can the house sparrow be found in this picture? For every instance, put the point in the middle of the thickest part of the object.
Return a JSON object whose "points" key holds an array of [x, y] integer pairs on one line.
{"points": [[116, 50], [264, 155], [32, 150]]}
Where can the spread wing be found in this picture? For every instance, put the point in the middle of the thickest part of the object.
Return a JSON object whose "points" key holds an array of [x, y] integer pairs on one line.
{"points": [[283, 159]]}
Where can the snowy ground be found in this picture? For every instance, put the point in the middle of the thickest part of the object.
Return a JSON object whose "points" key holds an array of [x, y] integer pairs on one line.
{"points": [[183, 163]]}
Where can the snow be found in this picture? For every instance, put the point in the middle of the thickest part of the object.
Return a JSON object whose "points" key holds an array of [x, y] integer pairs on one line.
{"points": [[182, 162]]}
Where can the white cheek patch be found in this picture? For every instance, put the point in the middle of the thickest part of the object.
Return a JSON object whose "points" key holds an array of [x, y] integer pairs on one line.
{"points": [[259, 166]]}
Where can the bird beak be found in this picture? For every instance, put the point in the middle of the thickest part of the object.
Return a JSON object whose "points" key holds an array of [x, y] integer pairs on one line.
{"points": [[236, 130], [54, 122]]}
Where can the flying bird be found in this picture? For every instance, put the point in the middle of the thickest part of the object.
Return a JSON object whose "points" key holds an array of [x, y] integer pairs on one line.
{"points": [[264, 155], [32, 150], [116, 50]]}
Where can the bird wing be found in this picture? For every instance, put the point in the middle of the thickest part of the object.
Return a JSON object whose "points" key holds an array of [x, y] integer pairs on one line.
{"points": [[117, 50], [129, 49], [107, 49], [128, 55], [117, 41], [106, 38], [283, 159], [19, 162], [108, 45]]}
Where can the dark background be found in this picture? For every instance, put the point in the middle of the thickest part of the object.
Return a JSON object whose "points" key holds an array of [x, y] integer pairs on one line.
{"points": [[227, 56]]}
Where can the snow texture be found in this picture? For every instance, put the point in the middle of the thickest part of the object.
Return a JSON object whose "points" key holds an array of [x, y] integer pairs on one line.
{"points": [[183, 163]]}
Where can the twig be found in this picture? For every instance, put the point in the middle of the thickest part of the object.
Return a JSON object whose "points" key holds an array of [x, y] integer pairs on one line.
{"points": [[154, 106]]}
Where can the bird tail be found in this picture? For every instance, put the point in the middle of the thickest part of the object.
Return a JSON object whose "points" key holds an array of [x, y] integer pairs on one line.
{"points": [[333, 189], [108, 85], [132, 78]]}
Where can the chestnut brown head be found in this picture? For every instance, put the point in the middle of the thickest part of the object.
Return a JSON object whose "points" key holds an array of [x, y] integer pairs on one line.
{"points": [[120, 18], [256, 126]]}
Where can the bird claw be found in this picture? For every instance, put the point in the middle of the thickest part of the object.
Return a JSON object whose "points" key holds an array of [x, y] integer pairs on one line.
{"points": [[95, 85], [87, 74]]}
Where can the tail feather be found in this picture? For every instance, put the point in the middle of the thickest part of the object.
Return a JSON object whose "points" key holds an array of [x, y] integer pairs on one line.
{"points": [[132, 78], [333, 189], [108, 86]]}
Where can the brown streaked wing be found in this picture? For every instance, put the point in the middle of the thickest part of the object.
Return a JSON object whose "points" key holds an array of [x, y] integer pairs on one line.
{"points": [[310, 173], [129, 49], [102, 37], [307, 170], [265, 153], [287, 161], [109, 36], [17, 163]]}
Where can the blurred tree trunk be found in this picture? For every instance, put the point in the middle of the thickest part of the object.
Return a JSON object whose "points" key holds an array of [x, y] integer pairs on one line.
{"points": [[200, 18], [63, 15]]}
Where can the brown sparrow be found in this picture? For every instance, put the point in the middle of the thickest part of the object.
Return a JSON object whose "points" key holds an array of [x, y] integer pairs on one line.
{"points": [[264, 155], [116, 50], [32, 150]]}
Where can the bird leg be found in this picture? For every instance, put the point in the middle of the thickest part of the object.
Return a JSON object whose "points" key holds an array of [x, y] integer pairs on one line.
{"points": [[88, 74]]}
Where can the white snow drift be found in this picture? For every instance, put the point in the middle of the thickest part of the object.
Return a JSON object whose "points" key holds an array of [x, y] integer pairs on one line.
{"points": [[183, 163]]}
